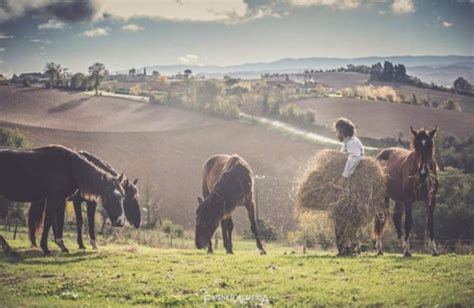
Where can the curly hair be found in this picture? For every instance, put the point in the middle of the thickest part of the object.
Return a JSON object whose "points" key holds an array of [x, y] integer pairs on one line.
{"points": [[345, 126]]}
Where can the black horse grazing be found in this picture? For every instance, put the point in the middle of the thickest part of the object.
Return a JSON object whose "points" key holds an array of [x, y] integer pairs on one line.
{"points": [[227, 182], [411, 176], [54, 173], [131, 206]]}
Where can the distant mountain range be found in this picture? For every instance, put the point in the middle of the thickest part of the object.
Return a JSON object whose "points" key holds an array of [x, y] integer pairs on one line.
{"points": [[292, 65]]}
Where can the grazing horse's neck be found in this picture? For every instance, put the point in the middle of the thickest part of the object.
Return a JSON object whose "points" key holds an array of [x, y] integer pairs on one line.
{"points": [[99, 163], [87, 176]]}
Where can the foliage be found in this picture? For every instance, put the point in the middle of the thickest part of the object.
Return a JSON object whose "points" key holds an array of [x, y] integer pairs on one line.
{"points": [[453, 214], [451, 105], [452, 151], [97, 73], [12, 138], [54, 71], [462, 84], [266, 231]]}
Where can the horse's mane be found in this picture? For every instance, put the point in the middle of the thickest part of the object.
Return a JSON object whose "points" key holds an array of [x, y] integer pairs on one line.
{"points": [[88, 176], [99, 163]]}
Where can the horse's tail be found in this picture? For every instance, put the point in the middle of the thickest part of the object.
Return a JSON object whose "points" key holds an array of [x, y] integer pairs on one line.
{"points": [[380, 221], [384, 155], [35, 218]]}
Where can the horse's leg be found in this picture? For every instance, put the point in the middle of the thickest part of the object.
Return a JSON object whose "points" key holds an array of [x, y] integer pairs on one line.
{"points": [[230, 228], [91, 207], [397, 221], [339, 241], [6, 248], [79, 221], [253, 223], [379, 227], [59, 228], [431, 204], [49, 220], [35, 216], [209, 246], [408, 224], [225, 238]]}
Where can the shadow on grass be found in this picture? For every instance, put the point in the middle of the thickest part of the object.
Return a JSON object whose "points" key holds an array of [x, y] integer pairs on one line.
{"points": [[33, 256]]}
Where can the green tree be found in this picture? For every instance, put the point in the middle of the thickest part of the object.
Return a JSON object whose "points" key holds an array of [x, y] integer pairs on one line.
{"points": [[77, 81], [54, 72], [462, 84], [97, 73]]}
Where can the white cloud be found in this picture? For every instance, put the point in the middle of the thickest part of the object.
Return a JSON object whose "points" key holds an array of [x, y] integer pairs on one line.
{"points": [[382, 12], [1, 61], [2, 49], [447, 24], [400, 7], [189, 60], [133, 28], [96, 32], [51, 24], [40, 41], [3, 36], [202, 10], [337, 4]]}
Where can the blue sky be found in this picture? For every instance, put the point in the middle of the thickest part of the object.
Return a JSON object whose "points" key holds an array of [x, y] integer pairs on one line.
{"points": [[124, 34]]}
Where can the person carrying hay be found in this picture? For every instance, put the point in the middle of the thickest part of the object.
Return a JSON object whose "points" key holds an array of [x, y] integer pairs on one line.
{"points": [[345, 132]]}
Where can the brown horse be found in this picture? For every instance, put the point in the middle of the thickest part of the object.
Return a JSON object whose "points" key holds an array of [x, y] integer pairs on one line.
{"points": [[227, 182], [131, 206], [412, 175], [55, 173]]}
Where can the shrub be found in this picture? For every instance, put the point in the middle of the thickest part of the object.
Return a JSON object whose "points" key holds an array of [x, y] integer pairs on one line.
{"points": [[451, 105], [266, 231], [347, 92], [12, 138]]}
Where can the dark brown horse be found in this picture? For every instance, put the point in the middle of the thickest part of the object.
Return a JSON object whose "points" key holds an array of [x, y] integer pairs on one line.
{"points": [[131, 206], [412, 175], [227, 182], [54, 173]]}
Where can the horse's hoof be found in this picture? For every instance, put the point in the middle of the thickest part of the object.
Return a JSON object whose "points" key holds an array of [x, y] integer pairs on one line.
{"points": [[379, 253], [65, 250], [230, 252], [407, 254], [210, 252], [82, 247], [435, 254], [262, 252], [46, 253]]}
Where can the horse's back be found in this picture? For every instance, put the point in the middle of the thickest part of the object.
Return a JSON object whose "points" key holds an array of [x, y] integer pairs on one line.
{"points": [[216, 165], [394, 160]]}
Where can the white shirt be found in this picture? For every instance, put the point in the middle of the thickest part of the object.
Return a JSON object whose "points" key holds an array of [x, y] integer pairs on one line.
{"points": [[355, 149]]}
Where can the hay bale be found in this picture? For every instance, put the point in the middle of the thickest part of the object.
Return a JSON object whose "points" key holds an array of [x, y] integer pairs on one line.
{"points": [[351, 208]]}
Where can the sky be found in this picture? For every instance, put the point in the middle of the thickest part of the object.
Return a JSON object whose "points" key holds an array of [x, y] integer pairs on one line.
{"points": [[123, 34]]}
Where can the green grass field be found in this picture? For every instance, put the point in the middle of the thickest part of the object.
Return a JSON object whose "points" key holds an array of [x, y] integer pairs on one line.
{"points": [[119, 275]]}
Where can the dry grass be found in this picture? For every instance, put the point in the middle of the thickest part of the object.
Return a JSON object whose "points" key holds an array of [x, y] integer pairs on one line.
{"points": [[350, 208]]}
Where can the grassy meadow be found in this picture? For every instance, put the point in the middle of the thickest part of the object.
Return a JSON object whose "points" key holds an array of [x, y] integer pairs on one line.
{"points": [[124, 275]]}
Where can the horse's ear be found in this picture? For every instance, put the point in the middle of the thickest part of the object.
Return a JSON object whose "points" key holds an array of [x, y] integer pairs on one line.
{"points": [[413, 131], [135, 182], [120, 177], [434, 132], [126, 183], [200, 200]]}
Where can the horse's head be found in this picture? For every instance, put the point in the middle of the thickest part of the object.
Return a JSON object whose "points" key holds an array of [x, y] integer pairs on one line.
{"points": [[131, 206], [112, 199], [208, 216], [423, 144]]}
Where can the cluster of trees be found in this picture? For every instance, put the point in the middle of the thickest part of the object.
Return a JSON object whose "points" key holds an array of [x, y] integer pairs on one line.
{"points": [[390, 72], [59, 77]]}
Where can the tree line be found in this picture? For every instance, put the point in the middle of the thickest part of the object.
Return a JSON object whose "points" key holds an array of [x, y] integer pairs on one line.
{"points": [[59, 77]]}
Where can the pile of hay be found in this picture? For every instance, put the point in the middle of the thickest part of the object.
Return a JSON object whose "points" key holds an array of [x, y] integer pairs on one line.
{"points": [[351, 208]]}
